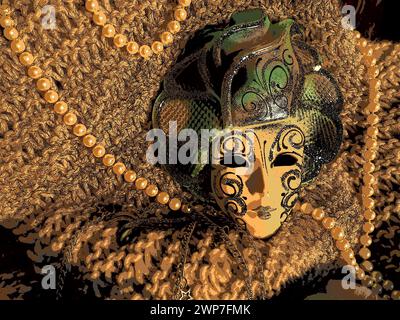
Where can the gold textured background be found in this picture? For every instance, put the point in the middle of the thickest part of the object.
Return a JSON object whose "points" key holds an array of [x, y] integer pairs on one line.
{"points": [[49, 182]]}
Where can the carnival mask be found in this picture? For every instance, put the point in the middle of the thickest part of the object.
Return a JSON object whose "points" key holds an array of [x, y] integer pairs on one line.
{"points": [[274, 110], [256, 175]]}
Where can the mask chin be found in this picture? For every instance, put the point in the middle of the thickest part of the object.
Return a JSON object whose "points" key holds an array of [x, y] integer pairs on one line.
{"points": [[261, 228]]}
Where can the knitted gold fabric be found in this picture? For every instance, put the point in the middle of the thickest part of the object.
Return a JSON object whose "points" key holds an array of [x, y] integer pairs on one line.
{"points": [[50, 184]]}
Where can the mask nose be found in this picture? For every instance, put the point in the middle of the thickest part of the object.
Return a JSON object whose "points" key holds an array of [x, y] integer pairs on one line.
{"points": [[265, 200], [257, 186]]}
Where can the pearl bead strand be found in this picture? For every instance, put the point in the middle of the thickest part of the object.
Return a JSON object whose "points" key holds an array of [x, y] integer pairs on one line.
{"points": [[367, 191], [51, 96], [121, 41], [344, 247]]}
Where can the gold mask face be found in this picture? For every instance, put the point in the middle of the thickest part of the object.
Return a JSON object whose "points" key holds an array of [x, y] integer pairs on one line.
{"points": [[256, 175]]}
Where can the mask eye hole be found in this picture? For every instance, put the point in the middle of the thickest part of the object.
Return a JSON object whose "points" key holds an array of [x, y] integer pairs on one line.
{"points": [[234, 161], [284, 160]]}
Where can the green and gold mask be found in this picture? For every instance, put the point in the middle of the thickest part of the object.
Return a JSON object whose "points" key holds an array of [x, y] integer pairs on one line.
{"points": [[276, 111]]}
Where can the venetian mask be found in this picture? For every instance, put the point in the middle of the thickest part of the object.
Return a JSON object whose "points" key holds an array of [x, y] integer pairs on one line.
{"points": [[256, 175], [274, 109]]}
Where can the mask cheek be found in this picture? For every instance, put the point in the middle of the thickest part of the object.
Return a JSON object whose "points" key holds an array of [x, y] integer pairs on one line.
{"points": [[291, 186], [227, 188], [290, 200]]}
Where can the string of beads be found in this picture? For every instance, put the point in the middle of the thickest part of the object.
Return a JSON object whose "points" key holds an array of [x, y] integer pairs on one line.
{"points": [[51, 96], [43, 84]]}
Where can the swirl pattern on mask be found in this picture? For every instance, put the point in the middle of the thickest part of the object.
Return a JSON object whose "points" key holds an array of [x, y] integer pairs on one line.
{"points": [[267, 97], [288, 135], [291, 180]]}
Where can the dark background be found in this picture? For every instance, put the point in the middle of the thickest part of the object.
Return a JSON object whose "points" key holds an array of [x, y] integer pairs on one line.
{"points": [[377, 19]]}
